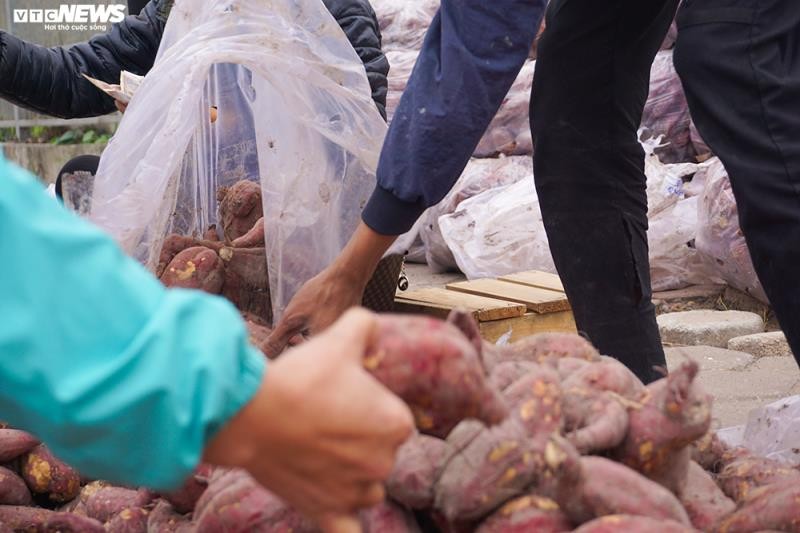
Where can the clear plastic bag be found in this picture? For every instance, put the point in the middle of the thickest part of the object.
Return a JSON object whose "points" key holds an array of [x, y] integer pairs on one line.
{"points": [[666, 112], [509, 132], [404, 23], [498, 232], [294, 112], [719, 236], [773, 431], [402, 63], [479, 176]]}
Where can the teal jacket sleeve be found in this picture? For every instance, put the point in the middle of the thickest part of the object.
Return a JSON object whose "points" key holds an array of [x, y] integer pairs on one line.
{"points": [[123, 379]]}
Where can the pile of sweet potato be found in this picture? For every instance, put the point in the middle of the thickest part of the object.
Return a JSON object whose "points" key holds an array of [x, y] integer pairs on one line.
{"points": [[229, 261], [544, 435]]}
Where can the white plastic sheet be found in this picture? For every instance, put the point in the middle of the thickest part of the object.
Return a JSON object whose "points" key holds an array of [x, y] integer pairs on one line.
{"points": [[774, 430], [295, 113], [479, 176], [719, 236]]}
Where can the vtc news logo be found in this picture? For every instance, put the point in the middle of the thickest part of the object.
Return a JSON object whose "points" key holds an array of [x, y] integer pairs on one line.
{"points": [[72, 14]]}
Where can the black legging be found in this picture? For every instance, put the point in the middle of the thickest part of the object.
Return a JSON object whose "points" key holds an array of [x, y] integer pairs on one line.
{"points": [[82, 163], [136, 6], [740, 66], [591, 85]]}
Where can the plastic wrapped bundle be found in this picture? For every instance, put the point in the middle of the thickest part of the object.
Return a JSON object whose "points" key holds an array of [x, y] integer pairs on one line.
{"points": [[719, 236], [404, 24], [510, 132], [666, 111], [314, 148], [401, 63], [479, 176]]}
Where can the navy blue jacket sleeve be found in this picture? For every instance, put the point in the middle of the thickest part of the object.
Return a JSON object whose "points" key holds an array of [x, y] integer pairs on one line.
{"points": [[472, 53]]}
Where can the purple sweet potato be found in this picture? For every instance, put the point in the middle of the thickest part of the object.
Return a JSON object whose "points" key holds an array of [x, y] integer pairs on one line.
{"points": [[505, 374], [14, 443], [19, 518], [708, 451], [72, 523], [13, 490], [489, 467], [703, 500], [743, 472], [164, 519], [175, 244], [387, 517], [195, 268], [772, 507], [241, 505], [254, 238], [541, 348], [129, 520], [417, 466], [185, 498], [240, 208], [632, 524], [107, 502], [467, 325], [674, 412], [609, 488], [594, 420], [45, 474], [435, 370], [607, 374], [527, 514], [246, 282]]}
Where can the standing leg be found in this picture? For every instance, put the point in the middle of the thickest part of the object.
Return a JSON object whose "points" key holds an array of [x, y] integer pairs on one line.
{"points": [[740, 66], [591, 84]]}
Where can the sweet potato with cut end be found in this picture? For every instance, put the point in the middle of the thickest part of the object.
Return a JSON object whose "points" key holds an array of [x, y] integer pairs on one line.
{"points": [[240, 208], [246, 282], [775, 507], [184, 499], [708, 451], [703, 500], [211, 234], [502, 462], [609, 488], [195, 268], [107, 502], [632, 524], [13, 490], [14, 443], [129, 520], [674, 412], [566, 366], [743, 472], [254, 238], [72, 523], [594, 421], [387, 517], [435, 370], [417, 466], [45, 474], [241, 505], [527, 514], [164, 519]]}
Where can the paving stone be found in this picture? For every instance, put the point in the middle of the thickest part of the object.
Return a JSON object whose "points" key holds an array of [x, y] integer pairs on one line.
{"points": [[772, 344], [707, 328], [708, 357]]}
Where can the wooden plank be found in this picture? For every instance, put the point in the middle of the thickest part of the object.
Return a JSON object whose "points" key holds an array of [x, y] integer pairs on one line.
{"points": [[535, 278], [483, 309], [527, 325], [424, 308], [536, 299]]}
